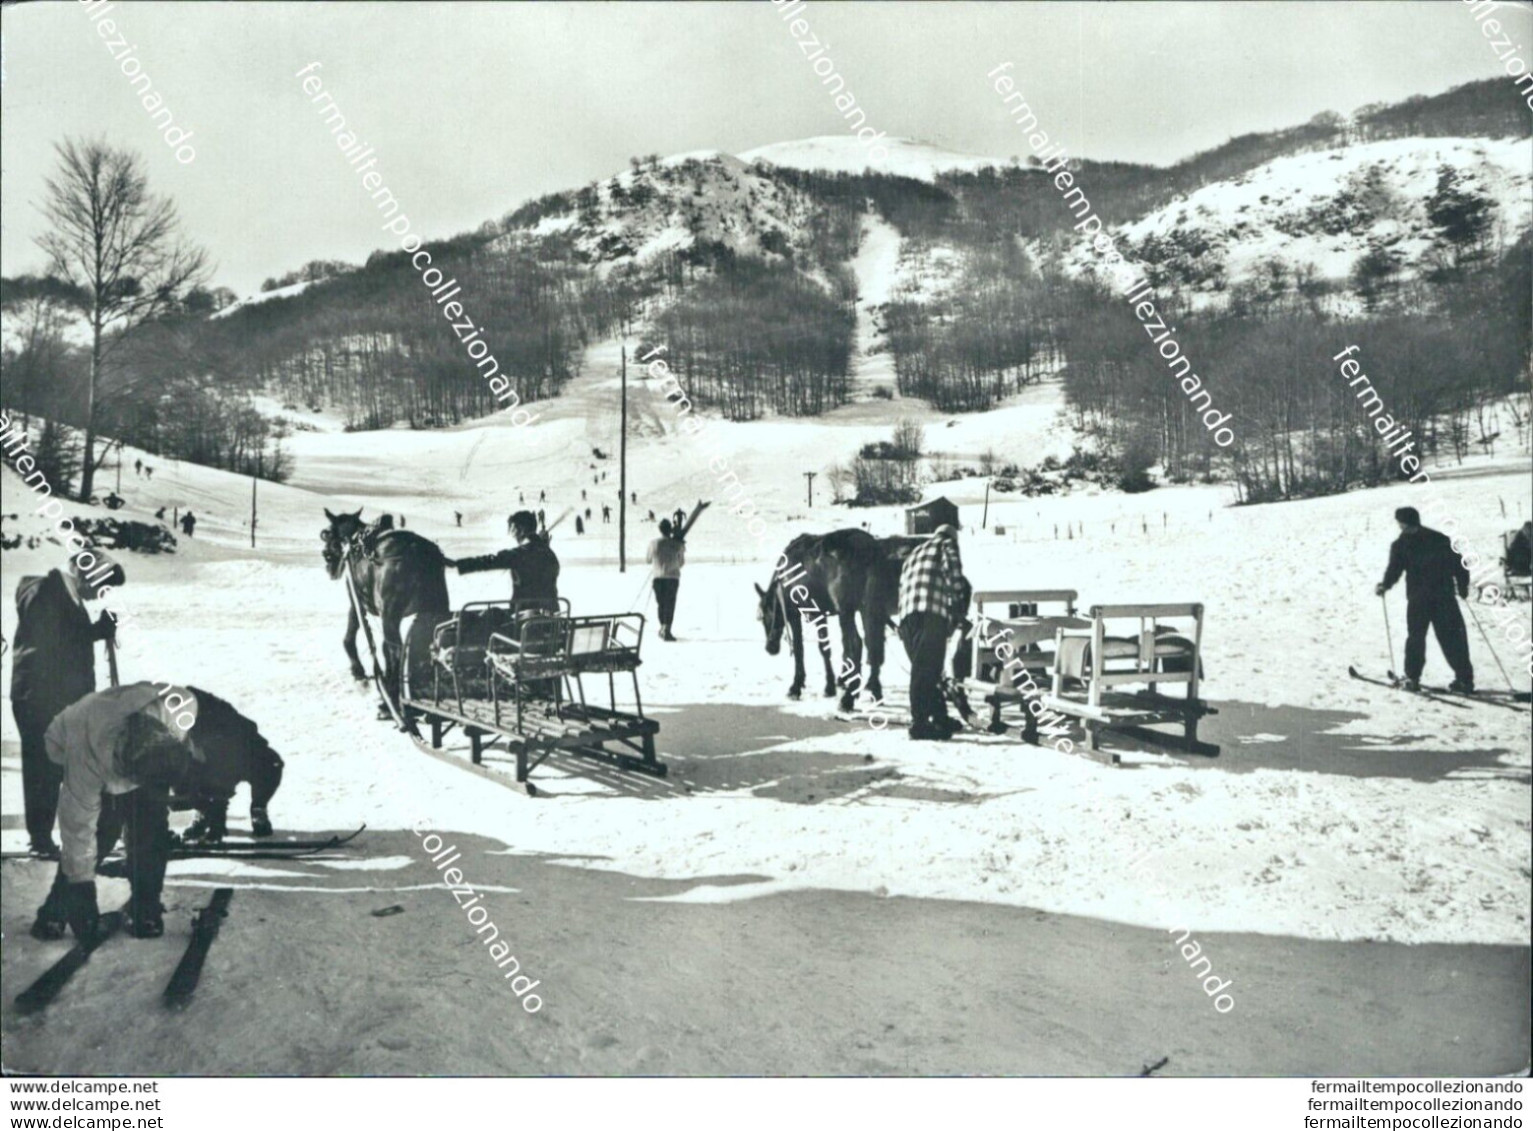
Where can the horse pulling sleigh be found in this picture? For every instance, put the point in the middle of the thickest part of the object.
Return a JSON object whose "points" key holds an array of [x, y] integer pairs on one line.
{"points": [[500, 672]]}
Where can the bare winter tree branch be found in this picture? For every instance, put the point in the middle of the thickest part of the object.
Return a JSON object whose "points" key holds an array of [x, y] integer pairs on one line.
{"points": [[121, 246]]}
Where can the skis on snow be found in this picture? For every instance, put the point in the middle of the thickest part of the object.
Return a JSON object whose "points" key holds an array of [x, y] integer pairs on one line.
{"points": [[266, 845], [1506, 699], [183, 983], [40, 994], [1420, 693]]}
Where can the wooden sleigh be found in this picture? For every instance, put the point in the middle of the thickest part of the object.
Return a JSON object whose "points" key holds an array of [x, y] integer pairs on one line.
{"points": [[515, 672], [1107, 683]]}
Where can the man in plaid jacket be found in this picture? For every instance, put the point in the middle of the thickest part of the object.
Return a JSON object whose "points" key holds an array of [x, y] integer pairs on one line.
{"points": [[933, 599]]}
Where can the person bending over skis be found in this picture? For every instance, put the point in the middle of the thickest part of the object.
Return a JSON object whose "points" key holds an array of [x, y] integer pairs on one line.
{"points": [[232, 750], [121, 750]]}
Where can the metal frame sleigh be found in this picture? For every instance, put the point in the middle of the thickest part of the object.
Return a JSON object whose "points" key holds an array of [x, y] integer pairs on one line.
{"points": [[514, 672]]}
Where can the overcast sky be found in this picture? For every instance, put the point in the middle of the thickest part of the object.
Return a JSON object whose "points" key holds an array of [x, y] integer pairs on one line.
{"points": [[475, 107]]}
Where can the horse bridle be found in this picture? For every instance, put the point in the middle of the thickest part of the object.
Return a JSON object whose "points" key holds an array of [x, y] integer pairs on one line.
{"points": [[782, 604]]}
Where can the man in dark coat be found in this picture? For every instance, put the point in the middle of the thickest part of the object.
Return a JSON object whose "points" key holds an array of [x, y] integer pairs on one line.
{"points": [[533, 564], [54, 665], [232, 750], [1433, 572]]}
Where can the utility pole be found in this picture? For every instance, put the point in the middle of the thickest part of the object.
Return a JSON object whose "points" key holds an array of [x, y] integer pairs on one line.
{"points": [[985, 518], [809, 478], [622, 472], [252, 510], [119, 476]]}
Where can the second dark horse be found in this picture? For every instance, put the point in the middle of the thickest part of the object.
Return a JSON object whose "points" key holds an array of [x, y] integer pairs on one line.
{"points": [[844, 574], [396, 574]]}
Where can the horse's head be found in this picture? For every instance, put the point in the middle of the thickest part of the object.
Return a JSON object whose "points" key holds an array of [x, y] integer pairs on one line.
{"points": [[336, 537], [769, 612]]}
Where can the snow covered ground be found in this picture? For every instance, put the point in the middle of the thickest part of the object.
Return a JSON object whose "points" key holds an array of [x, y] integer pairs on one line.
{"points": [[1336, 810]]}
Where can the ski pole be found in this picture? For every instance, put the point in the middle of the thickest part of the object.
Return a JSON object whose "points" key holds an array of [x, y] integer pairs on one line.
{"points": [[1474, 616], [1388, 635], [640, 591]]}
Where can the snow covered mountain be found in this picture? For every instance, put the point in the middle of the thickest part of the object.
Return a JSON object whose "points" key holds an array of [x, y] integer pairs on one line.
{"points": [[1317, 215], [794, 278], [845, 154], [658, 206]]}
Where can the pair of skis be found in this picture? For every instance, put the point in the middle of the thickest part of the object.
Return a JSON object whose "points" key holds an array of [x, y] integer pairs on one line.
{"points": [[183, 981], [267, 849], [1464, 699], [236, 849]]}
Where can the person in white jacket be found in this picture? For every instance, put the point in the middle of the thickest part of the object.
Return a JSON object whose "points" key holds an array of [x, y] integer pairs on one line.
{"points": [[667, 553], [121, 751]]}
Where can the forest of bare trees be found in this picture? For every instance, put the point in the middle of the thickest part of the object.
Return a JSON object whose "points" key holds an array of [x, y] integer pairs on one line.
{"points": [[121, 338]]}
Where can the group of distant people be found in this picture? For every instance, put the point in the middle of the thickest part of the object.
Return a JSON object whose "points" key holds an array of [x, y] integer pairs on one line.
{"points": [[187, 522], [142, 468]]}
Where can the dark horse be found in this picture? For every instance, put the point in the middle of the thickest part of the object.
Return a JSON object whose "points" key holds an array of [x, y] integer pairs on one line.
{"points": [[395, 573], [841, 574]]}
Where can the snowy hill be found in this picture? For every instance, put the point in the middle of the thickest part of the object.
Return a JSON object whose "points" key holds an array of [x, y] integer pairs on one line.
{"points": [[1318, 213], [705, 198], [845, 154], [262, 296]]}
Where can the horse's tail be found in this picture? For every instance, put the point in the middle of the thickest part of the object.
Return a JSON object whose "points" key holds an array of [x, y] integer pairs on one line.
{"points": [[434, 588]]}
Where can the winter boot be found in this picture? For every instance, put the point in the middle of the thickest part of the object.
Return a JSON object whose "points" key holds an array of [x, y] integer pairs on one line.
{"points": [[208, 828], [1411, 684], [1464, 686], [260, 823], [51, 916], [146, 922]]}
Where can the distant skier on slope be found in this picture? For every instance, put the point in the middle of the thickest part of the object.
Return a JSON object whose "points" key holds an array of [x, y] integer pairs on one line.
{"points": [[1433, 571]]}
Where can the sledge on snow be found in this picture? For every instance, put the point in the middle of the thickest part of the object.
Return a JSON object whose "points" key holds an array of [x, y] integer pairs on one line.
{"points": [[1107, 680], [515, 671]]}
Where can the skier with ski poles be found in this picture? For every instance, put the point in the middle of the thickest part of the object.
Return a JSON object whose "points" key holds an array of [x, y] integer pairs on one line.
{"points": [[1433, 572]]}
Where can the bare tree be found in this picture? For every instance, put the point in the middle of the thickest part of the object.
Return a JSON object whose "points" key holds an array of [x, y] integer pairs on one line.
{"points": [[121, 246]]}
